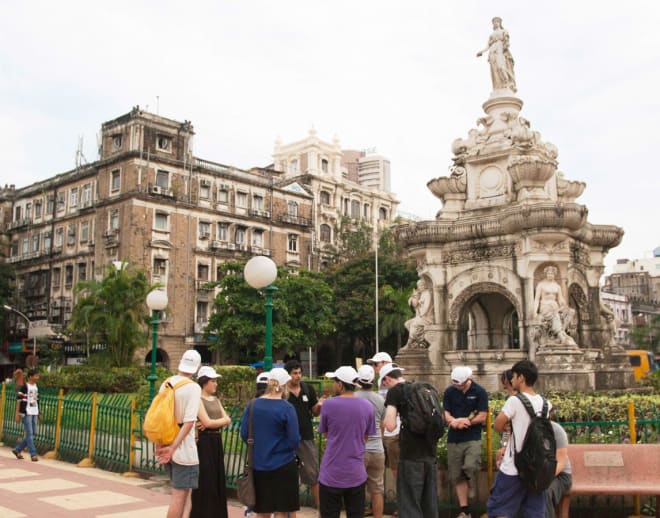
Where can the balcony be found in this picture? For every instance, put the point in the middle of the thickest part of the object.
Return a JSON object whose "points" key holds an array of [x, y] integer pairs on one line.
{"points": [[258, 213], [203, 285], [200, 325], [296, 220], [20, 223]]}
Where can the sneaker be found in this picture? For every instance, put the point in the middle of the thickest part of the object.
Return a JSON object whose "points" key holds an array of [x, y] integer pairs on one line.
{"points": [[463, 515], [17, 454], [34, 458]]}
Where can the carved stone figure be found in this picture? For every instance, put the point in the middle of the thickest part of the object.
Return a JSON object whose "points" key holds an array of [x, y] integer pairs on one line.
{"points": [[499, 57], [553, 313], [421, 301]]}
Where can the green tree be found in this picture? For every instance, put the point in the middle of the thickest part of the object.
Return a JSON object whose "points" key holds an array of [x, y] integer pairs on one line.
{"points": [[302, 313], [354, 285], [7, 288], [647, 336], [353, 239], [113, 310], [396, 311]]}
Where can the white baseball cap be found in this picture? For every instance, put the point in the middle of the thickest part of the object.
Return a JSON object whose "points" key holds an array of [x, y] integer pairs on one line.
{"points": [[209, 372], [280, 375], [387, 368], [366, 374], [190, 362], [460, 375], [262, 377], [345, 374], [380, 357]]}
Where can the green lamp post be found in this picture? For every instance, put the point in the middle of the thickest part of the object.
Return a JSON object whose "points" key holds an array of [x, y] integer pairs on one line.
{"points": [[156, 302], [260, 272]]}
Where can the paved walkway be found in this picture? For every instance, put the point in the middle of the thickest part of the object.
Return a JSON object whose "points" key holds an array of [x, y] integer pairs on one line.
{"points": [[54, 489]]}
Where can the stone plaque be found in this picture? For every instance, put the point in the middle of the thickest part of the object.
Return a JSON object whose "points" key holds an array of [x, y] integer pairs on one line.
{"points": [[603, 459]]}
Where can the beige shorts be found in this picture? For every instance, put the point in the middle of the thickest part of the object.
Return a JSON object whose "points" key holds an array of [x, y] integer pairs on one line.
{"points": [[375, 464], [308, 454], [392, 451]]}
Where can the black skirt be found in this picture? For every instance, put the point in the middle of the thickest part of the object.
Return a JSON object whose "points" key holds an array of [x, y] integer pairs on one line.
{"points": [[209, 500], [277, 490]]}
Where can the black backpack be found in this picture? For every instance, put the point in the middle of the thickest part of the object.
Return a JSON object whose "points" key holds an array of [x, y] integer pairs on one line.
{"points": [[536, 462], [424, 414]]}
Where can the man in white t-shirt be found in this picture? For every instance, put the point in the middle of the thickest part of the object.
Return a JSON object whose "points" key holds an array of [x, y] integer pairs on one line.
{"points": [[180, 458], [509, 495]]}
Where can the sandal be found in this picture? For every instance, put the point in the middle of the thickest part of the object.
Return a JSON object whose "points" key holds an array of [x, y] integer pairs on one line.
{"points": [[17, 454], [34, 458]]}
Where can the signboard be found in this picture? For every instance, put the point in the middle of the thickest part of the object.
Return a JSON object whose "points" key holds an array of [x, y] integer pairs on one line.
{"points": [[15, 347]]}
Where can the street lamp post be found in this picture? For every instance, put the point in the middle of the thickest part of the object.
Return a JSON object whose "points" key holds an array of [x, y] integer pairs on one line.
{"points": [[156, 302], [29, 322], [261, 272]]}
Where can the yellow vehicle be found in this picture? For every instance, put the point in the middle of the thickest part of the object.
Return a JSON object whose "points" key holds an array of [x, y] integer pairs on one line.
{"points": [[642, 362]]}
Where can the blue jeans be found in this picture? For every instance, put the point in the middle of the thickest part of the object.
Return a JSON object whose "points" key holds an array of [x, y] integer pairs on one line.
{"points": [[417, 488], [30, 425]]}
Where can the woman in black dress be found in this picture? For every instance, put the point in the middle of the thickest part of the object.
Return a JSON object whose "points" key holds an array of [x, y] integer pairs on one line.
{"points": [[209, 500]]}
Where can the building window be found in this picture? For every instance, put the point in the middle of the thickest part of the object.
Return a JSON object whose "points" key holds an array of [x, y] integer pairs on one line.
{"points": [[24, 248], [17, 213], [161, 221], [355, 209], [68, 275], [115, 180], [346, 206], [82, 271], [162, 179], [326, 233], [50, 204], [84, 231], [59, 236], [324, 165], [241, 199], [257, 202], [202, 312], [160, 266], [73, 197], [56, 278], [325, 197], [365, 211], [114, 220], [61, 201], [116, 142], [71, 235], [202, 272], [86, 195], [239, 236], [223, 231], [46, 240], [293, 166], [35, 243], [292, 209], [204, 229], [164, 142], [382, 214], [223, 196], [293, 243], [258, 238], [37, 209], [204, 191]]}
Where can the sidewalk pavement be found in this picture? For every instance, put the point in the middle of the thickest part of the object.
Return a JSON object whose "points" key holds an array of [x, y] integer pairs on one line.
{"points": [[55, 489]]}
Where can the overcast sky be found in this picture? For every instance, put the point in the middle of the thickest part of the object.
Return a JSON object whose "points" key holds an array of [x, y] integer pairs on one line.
{"points": [[401, 77]]}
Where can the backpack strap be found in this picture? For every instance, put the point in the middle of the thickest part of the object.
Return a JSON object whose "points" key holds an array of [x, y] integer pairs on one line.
{"points": [[180, 383], [530, 409]]}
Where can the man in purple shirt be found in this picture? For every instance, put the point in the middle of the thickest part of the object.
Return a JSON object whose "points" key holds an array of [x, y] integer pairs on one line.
{"points": [[346, 421]]}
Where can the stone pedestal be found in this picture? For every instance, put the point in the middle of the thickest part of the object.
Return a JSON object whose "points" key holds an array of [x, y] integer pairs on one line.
{"points": [[417, 364], [564, 368]]}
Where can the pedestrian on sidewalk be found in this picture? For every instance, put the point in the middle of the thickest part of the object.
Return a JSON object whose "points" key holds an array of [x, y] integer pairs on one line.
{"points": [[27, 410], [180, 458], [209, 500]]}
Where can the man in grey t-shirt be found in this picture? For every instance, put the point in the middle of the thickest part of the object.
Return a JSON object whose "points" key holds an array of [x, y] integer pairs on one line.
{"points": [[564, 480], [374, 457]]}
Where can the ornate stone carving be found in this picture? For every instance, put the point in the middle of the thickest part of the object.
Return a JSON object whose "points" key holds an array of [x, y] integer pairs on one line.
{"points": [[421, 301], [530, 174], [476, 288], [455, 183], [552, 314], [567, 190], [479, 253]]}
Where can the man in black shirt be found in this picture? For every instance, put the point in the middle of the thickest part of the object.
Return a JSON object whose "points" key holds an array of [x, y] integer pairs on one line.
{"points": [[304, 400], [417, 476]]}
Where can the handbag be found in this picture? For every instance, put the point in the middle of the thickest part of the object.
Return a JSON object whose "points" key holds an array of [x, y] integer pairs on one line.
{"points": [[245, 483]]}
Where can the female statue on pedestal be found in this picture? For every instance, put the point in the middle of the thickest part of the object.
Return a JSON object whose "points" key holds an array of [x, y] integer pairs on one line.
{"points": [[421, 301], [499, 57], [552, 310]]}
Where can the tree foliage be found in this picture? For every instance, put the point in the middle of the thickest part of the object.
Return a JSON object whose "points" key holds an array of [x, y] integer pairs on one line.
{"points": [[396, 311], [113, 310], [647, 336], [302, 313]]}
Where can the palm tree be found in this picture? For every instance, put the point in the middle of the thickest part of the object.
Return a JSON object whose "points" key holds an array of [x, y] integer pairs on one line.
{"points": [[396, 311], [113, 311]]}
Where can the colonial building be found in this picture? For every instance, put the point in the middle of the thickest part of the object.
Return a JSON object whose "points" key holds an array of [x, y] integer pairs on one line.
{"points": [[352, 184], [150, 202]]}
